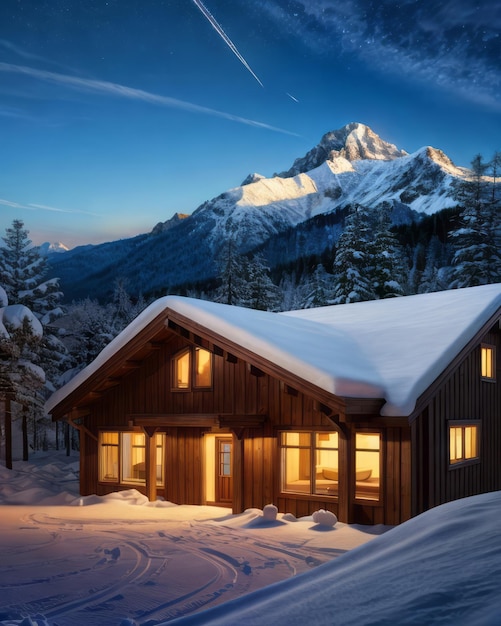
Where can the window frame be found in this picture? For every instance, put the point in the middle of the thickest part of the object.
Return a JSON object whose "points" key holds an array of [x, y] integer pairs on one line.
{"points": [[192, 352], [312, 448], [463, 461], [360, 498], [492, 351], [120, 480]]}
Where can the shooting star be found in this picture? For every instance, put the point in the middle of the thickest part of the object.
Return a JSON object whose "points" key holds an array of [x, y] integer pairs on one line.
{"points": [[219, 30], [291, 97]]}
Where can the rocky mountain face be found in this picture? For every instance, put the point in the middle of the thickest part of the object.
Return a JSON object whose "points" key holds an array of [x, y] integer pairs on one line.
{"points": [[349, 166]]}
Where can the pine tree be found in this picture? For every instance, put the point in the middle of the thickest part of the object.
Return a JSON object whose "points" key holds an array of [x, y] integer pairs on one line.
{"points": [[21, 376], [232, 269], [352, 282], [387, 265], [263, 294], [88, 328], [125, 310], [317, 291], [475, 243], [22, 273]]}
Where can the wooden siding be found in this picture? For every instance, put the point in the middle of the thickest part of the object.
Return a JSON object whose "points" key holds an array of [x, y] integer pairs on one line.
{"points": [[463, 396], [239, 390]]}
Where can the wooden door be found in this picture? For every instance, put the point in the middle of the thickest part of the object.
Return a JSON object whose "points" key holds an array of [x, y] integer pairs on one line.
{"points": [[224, 473]]}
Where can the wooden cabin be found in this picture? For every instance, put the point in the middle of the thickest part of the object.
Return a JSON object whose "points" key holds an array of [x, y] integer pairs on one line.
{"points": [[375, 411]]}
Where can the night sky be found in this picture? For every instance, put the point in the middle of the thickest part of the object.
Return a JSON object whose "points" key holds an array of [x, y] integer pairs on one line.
{"points": [[114, 115]]}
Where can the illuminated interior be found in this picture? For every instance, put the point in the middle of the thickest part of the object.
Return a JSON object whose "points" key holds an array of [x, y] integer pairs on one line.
{"points": [[210, 464], [310, 462], [127, 454], [487, 361], [463, 443], [182, 370], [367, 466], [108, 456], [203, 373]]}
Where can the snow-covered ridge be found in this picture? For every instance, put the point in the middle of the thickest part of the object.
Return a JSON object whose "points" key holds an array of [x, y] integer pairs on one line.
{"points": [[349, 166]]}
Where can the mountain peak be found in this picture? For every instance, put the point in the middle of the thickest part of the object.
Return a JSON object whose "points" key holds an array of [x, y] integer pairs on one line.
{"points": [[353, 142], [52, 248]]}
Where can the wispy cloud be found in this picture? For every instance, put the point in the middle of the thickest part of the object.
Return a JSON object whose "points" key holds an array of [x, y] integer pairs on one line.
{"points": [[454, 47], [130, 93], [43, 207]]}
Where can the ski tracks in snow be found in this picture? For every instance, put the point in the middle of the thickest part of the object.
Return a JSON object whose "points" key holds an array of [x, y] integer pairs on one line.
{"points": [[95, 571]]}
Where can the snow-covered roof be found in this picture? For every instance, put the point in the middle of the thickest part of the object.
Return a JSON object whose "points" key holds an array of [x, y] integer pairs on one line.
{"points": [[392, 349]]}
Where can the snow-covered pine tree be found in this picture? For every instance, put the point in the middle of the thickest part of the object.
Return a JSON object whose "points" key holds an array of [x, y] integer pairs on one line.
{"points": [[387, 264], [88, 328], [263, 294], [476, 259], [232, 276], [317, 290], [351, 274], [431, 278], [21, 376], [125, 310], [22, 273]]}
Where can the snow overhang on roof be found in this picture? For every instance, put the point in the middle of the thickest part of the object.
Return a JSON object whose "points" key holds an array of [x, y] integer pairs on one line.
{"points": [[392, 349], [411, 340]]}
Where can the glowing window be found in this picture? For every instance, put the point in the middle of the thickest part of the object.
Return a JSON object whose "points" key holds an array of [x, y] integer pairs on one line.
{"points": [[192, 368], [182, 370], [310, 462], [108, 456], [122, 458], [203, 368], [367, 466], [488, 362], [463, 443]]}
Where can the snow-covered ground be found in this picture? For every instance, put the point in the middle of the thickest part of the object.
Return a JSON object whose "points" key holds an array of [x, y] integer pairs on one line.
{"points": [[117, 560], [121, 561]]}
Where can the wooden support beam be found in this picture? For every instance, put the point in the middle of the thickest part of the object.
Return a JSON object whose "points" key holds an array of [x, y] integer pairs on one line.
{"points": [[238, 475], [241, 421], [161, 420], [150, 464], [81, 427]]}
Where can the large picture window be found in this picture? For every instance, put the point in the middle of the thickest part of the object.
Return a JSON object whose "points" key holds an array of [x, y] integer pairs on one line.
{"points": [[310, 462], [122, 457], [192, 369], [463, 442]]}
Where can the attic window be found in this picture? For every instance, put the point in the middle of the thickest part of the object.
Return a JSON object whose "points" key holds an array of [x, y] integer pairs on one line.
{"points": [[192, 368], [463, 442], [488, 362], [182, 370]]}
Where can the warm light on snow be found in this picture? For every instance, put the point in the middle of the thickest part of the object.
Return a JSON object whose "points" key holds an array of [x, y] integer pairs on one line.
{"points": [[69, 560]]}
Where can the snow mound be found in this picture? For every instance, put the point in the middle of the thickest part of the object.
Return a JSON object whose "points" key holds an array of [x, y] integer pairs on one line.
{"points": [[441, 567]]}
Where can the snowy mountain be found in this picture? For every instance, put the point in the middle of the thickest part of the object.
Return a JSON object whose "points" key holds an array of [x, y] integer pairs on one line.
{"points": [[52, 248], [348, 166]]}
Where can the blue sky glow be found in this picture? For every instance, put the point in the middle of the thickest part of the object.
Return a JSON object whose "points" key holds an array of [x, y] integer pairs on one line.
{"points": [[116, 114]]}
